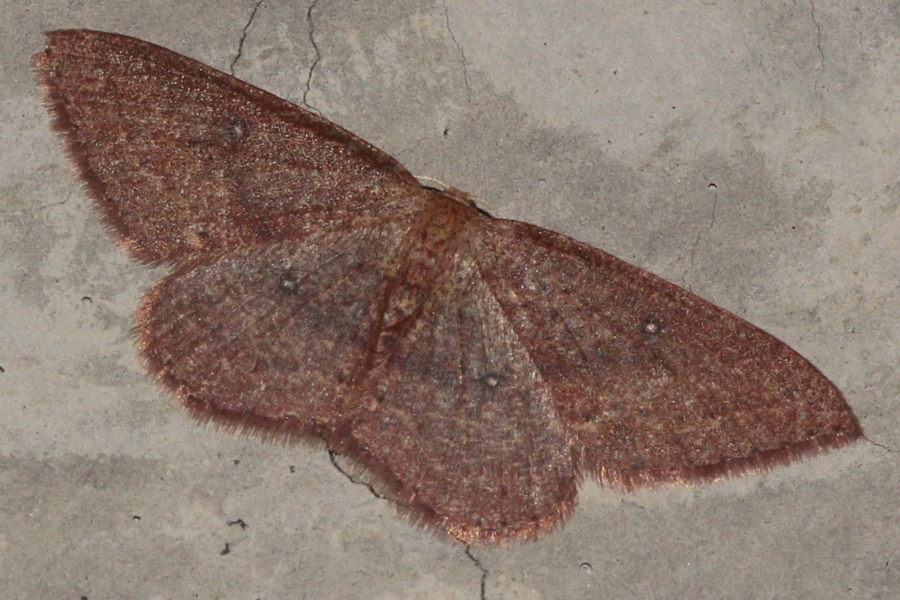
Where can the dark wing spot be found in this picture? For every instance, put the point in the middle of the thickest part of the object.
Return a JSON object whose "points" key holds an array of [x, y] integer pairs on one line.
{"points": [[237, 129], [287, 282], [652, 326], [491, 379]]}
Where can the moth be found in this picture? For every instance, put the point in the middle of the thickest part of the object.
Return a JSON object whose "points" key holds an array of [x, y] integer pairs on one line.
{"points": [[478, 368]]}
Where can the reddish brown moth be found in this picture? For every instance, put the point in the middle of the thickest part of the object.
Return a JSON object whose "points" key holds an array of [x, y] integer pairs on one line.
{"points": [[478, 368]]}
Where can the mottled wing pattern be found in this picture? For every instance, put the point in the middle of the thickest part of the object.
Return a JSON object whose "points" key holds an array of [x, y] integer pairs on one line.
{"points": [[459, 422], [654, 383], [277, 336], [185, 160]]}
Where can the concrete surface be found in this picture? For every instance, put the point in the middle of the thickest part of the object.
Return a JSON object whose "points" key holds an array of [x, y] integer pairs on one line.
{"points": [[746, 150]]}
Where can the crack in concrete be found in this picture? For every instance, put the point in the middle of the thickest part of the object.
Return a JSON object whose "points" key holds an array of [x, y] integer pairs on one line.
{"points": [[311, 30], [51, 205], [240, 49], [882, 446], [816, 89], [484, 572], [712, 223], [465, 63], [332, 455]]}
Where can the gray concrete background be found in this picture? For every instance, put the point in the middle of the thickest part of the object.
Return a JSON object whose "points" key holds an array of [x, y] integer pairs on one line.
{"points": [[745, 150]]}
